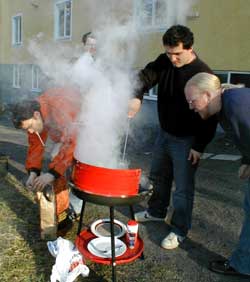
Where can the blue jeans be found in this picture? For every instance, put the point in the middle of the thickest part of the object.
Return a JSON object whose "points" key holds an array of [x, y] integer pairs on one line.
{"points": [[240, 259], [170, 162]]}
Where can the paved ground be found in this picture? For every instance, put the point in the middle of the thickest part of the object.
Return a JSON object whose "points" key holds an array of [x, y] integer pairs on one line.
{"points": [[217, 214]]}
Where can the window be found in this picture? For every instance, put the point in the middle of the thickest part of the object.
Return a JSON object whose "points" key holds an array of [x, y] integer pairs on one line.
{"points": [[154, 14], [16, 76], [223, 76], [234, 77], [63, 19], [152, 93], [35, 78], [241, 78], [17, 30]]}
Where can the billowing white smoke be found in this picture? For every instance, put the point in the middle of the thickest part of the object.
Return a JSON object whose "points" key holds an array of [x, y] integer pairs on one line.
{"points": [[54, 59], [163, 12], [106, 82], [109, 88], [183, 9]]}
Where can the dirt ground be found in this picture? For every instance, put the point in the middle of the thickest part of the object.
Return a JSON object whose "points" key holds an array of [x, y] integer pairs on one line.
{"points": [[217, 218]]}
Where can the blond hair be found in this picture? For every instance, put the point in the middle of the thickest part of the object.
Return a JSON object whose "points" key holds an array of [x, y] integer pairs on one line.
{"points": [[205, 82]]}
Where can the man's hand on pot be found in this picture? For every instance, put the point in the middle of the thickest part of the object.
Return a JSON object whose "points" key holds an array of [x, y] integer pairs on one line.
{"points": [[42, 180]]}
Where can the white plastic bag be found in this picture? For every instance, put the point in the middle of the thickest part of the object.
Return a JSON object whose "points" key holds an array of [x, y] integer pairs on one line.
{"points": [[69, 262]]}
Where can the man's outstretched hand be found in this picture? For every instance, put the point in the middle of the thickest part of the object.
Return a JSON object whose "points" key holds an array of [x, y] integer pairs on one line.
{"points": [[30, 182], [134, 107]]}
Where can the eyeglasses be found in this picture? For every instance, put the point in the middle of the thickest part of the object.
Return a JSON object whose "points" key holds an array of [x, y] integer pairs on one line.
{"points": [[193, 102]]}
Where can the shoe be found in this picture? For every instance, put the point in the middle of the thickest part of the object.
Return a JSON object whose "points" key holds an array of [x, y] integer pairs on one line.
{"points": [[72, 214], [172, 241], [223, 267], [144, 216]]}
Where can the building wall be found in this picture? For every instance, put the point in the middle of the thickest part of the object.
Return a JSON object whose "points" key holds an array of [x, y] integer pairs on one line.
{"points": [[220, 31], [220, 34]]}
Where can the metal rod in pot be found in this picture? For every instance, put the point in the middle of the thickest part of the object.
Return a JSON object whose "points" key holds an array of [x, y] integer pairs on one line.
{"points": [[126, 140]]}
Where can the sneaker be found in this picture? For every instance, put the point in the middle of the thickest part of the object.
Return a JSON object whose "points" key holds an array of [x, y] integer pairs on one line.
{"points": [[172, 241], [144, 216], [72, 214], [223, 267]]}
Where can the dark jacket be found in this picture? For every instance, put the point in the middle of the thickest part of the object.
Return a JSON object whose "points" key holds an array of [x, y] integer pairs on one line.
{"points": [[235, 116], [174, 114]]}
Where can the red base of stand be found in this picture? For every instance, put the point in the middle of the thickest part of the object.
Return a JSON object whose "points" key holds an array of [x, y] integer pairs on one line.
{"points": [[130, 255]]}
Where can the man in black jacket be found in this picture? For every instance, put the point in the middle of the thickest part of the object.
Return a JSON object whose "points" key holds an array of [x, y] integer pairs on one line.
{"points": [[183, 135]]}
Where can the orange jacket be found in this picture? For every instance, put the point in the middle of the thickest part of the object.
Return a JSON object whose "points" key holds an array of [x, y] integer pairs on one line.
{"points": [[59, 109]]}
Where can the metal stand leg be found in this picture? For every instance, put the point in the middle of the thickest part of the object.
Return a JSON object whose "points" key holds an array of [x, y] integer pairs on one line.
{"points": [[132, 213], [112, 243], [81, 218]]}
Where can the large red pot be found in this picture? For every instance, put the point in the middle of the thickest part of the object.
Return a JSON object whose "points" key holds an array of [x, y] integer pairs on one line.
{"points": [[106, 181]]}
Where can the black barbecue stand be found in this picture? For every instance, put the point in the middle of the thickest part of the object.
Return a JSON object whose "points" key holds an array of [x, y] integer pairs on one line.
{"points": [[111, 202]]}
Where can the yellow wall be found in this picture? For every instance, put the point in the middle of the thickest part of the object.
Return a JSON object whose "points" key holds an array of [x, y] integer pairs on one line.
{"points": [[34, 20], [3, 29], [222, 37], [221, 31]]}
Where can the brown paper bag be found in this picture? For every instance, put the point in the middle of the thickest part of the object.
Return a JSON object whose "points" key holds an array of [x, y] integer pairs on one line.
{"points": [[53, 204], [48, 219]]}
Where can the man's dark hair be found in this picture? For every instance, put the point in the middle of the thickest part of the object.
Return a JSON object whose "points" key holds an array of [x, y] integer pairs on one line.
{"points": [[178, 34], [23, 110], [85, 37]]}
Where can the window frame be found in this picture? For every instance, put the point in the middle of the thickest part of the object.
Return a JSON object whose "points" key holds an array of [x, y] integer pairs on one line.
{"points": [[16, 76], [230, 73], [218, 72], [19, 31], [35, 74], [153, 27], [152, 93], [239, 72], [57, 36]]}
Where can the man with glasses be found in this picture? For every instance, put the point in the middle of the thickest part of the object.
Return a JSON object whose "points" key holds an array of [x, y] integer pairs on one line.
{"points": [[183, 134], [231, 104]]}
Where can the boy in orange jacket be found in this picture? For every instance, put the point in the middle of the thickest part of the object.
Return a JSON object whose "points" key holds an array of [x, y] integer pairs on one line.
{"points": [[53, 114]]}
